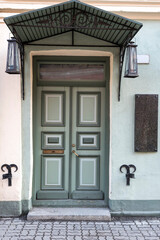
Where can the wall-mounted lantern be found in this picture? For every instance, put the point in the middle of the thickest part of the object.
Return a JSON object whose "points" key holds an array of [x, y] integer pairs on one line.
{"points": [[131, 66], [13, 59]]}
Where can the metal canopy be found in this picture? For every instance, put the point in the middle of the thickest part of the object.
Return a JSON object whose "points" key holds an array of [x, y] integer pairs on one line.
{"points": [[73, 16], [69, 16]]}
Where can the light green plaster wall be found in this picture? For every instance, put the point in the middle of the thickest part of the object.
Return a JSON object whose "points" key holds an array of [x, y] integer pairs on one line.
{"points": [[146, 184]]}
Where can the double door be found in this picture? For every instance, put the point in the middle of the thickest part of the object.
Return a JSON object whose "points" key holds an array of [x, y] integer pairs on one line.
{"points": [[69, 143]]}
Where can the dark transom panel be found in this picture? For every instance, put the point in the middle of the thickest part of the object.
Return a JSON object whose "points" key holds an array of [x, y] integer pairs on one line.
{"points": [[72, 16]]}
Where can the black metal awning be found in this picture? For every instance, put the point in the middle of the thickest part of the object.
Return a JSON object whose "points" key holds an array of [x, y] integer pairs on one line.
{"points": [[73, 16]]}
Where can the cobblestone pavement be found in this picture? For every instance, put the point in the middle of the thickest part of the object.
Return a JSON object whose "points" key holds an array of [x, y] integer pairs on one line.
{"points": [[117, 229]]}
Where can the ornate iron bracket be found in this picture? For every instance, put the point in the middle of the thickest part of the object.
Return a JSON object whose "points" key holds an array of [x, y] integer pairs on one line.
{"points": [[128, 174], [9, 174], [21, 49], [121, 60]]}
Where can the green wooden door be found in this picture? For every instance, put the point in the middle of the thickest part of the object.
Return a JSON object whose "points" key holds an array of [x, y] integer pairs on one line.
{"points": [[69, 143]]}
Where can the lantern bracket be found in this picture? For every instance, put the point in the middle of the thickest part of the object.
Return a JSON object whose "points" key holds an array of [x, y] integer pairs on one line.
{"points": [[21, 49], [121, 61]]}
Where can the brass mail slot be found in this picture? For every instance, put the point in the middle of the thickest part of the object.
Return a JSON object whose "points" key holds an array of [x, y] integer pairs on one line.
{"points": [[48, 151]]}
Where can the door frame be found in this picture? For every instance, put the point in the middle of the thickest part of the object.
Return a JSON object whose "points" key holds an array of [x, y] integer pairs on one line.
{"points": [[71, 202]]}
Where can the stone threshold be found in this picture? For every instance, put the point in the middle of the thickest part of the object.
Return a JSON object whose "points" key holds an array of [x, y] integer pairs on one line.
{"points": [[69, 214]]}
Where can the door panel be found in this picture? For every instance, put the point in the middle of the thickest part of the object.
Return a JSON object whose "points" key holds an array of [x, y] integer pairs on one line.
{"points": [[53, 172], [87, 172], [88, 109], [53, 140], [53, 108], [70, 119], [88, 140]]}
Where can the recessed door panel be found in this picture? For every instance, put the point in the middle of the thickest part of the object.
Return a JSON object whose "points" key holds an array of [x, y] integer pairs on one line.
{"points": [[88, 140], [88, 109], [88, 172], [52, 172], [53, 140], [53, 108]]}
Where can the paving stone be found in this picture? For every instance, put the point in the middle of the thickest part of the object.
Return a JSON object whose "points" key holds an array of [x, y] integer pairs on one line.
{"points": [[109, 238], [28, 238], [38, 238], [78, 238], [102, 238], [93, 232], [6, 238], [152, 238], [89, 238], [39, 234], [59, 238], [70, 238], [32, 232], [11, 234], [128, 229], [120, 238], [47, 234], [75, 233], [55, 232]]}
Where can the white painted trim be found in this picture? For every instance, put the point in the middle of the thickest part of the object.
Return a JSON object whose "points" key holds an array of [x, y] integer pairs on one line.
{"points": [[81, 178], [59, 171]]}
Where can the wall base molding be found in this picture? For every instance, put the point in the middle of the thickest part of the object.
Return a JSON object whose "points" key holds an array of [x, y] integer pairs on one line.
{"points": [[134, 207], [117, 208], [14, 208], [136, 214]]}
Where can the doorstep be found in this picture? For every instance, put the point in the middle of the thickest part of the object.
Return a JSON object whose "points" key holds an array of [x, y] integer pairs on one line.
{"points": [[69, 214]]}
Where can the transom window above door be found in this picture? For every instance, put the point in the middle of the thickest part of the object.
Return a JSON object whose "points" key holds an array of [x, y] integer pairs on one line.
{"points": [[54, 73]]}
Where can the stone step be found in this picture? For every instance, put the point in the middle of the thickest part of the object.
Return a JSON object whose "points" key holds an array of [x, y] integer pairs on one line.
{"points": [[69, 214]]}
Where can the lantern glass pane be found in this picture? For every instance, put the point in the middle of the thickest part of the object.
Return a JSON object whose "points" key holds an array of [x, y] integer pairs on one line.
{"points": [[17, 57], [13, 58], [11, 55], [127, 62], [133, 60]]}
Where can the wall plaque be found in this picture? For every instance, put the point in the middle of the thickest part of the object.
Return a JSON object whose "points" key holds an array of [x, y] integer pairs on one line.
{"points": [[146, 120]]}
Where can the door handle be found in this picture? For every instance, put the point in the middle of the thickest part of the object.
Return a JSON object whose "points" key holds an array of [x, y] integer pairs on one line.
{"points": [[73, 151]]}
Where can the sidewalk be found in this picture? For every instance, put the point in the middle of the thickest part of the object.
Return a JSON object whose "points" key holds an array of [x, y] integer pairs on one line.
{"points": [[117, 229]]}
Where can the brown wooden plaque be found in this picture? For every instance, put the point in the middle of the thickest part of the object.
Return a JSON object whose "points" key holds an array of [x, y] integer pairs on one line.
{"points": [[146, 120], [49, 151]]}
